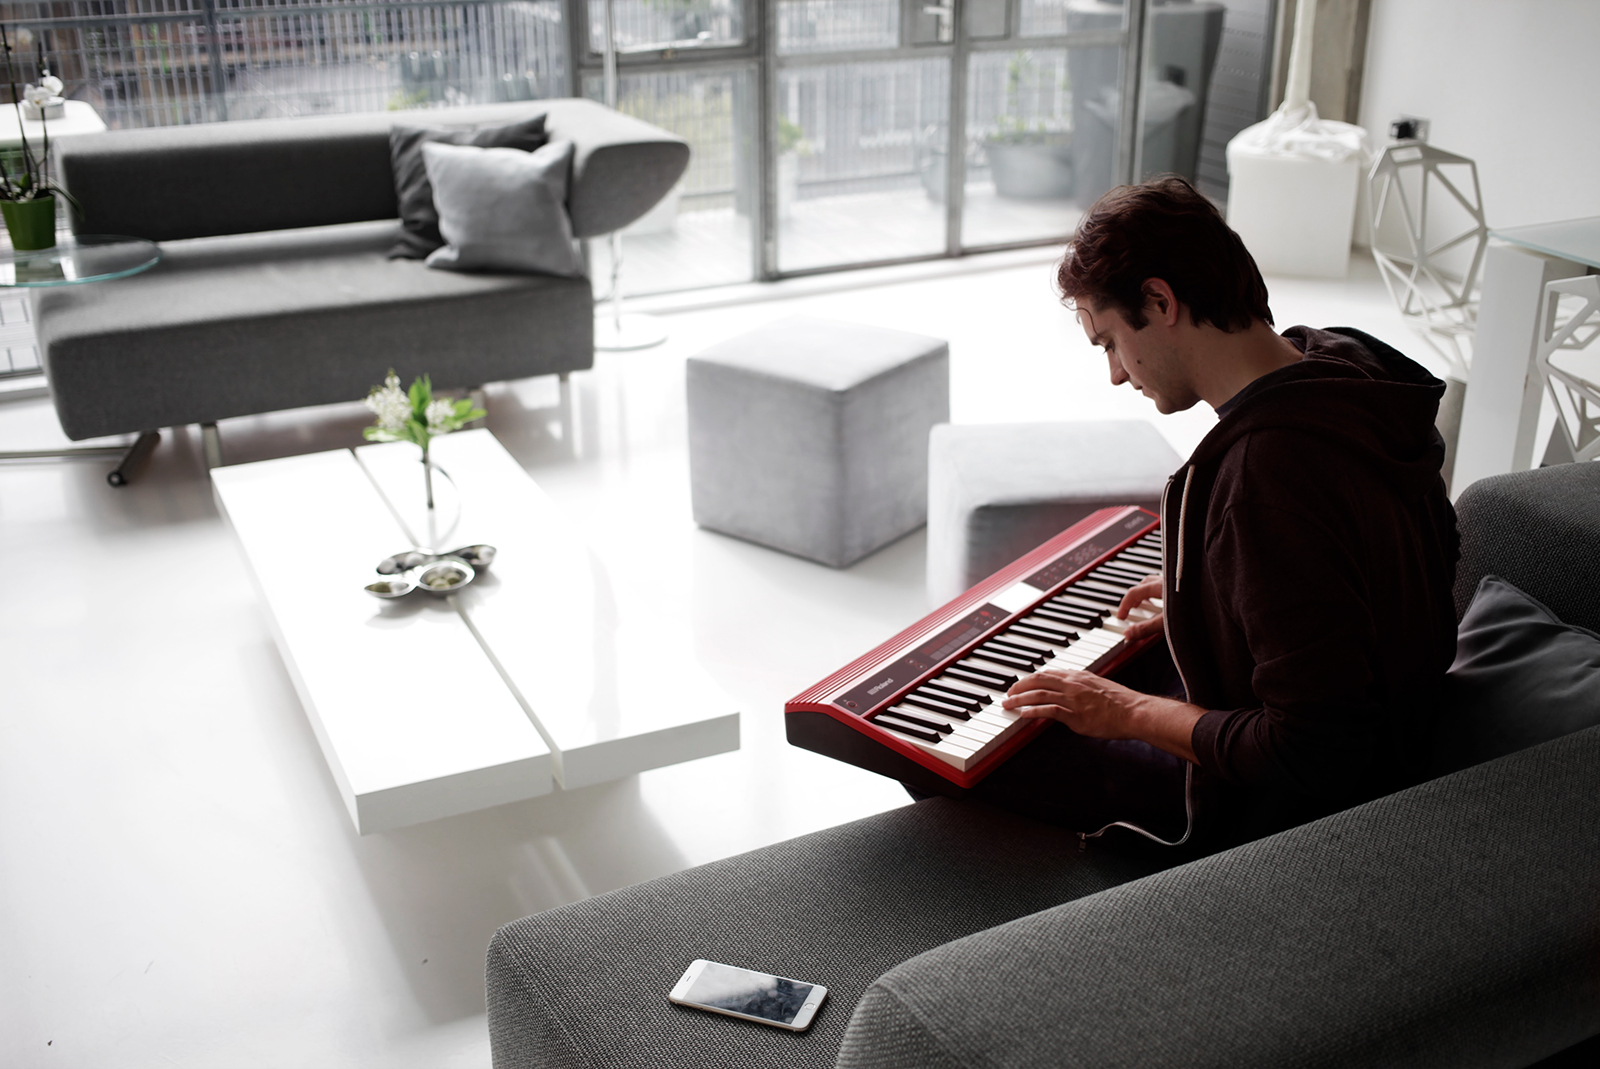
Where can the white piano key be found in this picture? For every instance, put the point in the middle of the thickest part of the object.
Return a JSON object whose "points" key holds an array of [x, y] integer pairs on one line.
{"points": [[949, 755]]}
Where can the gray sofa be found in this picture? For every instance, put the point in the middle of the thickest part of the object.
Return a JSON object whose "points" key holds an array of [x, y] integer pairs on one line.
{"points": [[1455, 924], [274, 290]]}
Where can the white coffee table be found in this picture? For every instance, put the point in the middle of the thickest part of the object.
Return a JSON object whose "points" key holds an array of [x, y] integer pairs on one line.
{"points": [[525, 682]]}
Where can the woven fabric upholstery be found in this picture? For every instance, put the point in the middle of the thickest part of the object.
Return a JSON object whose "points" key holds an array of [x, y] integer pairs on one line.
{"points": [[586, 985], [229, 326], [209, 179], [1454, 924], [1537, 530]]}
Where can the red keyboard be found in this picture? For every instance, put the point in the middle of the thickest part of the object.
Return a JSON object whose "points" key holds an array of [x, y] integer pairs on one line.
{"points": [[931, 694]]}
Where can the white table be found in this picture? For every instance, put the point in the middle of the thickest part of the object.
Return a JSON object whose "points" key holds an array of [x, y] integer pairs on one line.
{"points": [[525, 682], [80, 118], [1500, 413]]}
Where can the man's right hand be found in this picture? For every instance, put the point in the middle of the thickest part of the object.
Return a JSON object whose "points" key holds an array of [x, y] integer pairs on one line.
{"points": [[1142, 592]]}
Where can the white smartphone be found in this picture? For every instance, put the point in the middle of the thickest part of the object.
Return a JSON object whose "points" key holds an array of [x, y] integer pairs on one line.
{"points": [[754, 996]]}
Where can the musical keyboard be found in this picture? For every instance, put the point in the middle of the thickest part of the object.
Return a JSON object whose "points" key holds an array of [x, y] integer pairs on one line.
{"points": [[929, 698]]}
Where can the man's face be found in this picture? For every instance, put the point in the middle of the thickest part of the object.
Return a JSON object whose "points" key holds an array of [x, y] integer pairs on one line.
{"points": [[1147, 358]]}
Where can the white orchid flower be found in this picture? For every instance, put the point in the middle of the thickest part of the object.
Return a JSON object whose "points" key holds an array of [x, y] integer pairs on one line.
{"points": [[391, 405]]}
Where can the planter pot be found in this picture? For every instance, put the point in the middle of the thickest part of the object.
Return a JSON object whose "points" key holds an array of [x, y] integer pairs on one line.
{"points": [[31, 223], [788, 183], [1031, 170]]}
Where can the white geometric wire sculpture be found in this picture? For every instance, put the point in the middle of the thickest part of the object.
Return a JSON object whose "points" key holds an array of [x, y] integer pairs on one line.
{"points": [[1441, 308], [1574, 382]]}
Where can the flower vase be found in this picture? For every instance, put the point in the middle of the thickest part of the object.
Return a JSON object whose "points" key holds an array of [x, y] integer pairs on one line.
{"points": [[31, 223], [441, 508]]}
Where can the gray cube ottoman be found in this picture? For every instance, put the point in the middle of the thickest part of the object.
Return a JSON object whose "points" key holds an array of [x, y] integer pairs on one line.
{"points": [[996, 491], [811, 435]]}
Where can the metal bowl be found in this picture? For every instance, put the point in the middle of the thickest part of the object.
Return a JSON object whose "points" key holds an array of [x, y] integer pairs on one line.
{"points": [[479, 556], [444, 576], [390, 588]]}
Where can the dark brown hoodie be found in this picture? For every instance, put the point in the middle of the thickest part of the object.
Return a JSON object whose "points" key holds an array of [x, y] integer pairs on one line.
{"points": [[1311, 554]]}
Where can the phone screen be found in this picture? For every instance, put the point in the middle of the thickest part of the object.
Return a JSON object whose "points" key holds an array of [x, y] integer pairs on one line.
{"points": [[758, 994]]}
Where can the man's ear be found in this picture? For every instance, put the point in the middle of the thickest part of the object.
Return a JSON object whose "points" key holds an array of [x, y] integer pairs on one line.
{"points": [[1160, 303]]}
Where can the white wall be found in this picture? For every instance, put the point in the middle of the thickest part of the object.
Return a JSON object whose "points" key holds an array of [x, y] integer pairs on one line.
{"points": [[1514, 84]]}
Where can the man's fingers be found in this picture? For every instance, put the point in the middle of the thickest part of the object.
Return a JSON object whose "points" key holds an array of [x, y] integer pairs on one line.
{"points": [[1142, 592], [1144, 628], [1031, 697]]}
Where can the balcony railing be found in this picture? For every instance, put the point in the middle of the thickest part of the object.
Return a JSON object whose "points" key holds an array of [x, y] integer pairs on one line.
{"points": [[167, 62]]}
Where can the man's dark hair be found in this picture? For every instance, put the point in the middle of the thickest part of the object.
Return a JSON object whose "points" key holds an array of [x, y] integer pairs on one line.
{"points": [[1165, 229]]}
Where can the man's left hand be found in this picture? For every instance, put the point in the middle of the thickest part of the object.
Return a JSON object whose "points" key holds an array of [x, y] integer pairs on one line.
{"points": [[1094, 706]]}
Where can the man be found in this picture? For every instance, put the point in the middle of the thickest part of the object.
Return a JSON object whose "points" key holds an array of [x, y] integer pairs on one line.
{"points": [[1309, 545]]}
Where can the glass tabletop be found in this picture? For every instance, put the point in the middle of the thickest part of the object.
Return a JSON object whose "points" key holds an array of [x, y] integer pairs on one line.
{"points": [[78, 258], [1576, 239]]}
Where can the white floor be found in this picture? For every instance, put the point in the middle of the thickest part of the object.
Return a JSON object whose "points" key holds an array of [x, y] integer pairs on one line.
{"points": [[179, 883]]}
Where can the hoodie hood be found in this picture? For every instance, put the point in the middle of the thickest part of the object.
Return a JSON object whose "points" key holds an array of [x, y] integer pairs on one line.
{"points": [[1352, 390]]}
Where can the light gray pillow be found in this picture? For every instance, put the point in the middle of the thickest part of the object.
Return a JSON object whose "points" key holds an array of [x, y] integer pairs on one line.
{"points": [[502, 209], [1520, 677]]}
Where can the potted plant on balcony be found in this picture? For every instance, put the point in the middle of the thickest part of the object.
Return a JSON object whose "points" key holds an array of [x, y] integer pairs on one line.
{"points": [[27, 192], [1028, 159], [792, 147]]}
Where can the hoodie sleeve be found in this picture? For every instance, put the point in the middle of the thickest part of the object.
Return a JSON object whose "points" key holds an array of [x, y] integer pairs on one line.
{"points": [[1300, 605]]}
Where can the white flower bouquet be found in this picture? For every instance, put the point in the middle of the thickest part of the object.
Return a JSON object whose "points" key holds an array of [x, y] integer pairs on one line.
{"points": [[416, 416]]}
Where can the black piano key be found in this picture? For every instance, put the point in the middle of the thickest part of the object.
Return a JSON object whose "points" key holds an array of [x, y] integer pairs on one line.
{"points": [[1056, 615], [1022, 664], [1148, 556], [918, 721], [978, 700], [1118, 574], [934, 707], [981, 676], [1100, 587], [1043, 633], [1032, 652], [1067, 603], [907, 729], [1077, 590]]}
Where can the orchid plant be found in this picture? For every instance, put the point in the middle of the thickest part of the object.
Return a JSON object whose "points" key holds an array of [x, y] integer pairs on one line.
{"points": [[416, 416], [25, 176]]}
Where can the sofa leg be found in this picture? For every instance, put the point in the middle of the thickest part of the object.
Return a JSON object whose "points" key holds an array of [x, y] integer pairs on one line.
{"points": [[134, 458], [211, 445]]}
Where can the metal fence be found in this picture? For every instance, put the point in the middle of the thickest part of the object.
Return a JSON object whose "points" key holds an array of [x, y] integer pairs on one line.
{"points": [[168, 62]]}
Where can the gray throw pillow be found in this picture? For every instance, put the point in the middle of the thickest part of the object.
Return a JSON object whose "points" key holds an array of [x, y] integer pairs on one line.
{"points": [[1520, 677], [503, 210], [419, 222]]}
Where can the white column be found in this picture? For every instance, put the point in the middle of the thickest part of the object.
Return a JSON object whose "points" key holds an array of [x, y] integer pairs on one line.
{"points": [[1504, 390]]}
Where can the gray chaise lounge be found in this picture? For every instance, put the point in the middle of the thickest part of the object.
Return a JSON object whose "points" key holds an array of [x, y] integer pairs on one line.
{"points": [[274, 291], [1452, 925]]}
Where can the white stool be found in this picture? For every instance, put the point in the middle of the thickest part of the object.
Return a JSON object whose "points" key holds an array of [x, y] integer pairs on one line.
{"points": [[996, 491], [811, 435]]}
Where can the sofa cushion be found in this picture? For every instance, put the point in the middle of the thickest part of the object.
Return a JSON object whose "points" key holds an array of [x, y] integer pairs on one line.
{"points": [[503, 210], [1452, 924], [587, 984], [418, 218], [1520, 677], [231, 326]]}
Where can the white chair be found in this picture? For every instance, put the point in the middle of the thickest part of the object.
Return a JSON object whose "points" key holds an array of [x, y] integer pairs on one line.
{"points": [[1438, 301], [1574, 383]]}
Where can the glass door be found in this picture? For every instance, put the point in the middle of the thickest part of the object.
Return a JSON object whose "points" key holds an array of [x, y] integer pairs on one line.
{"points": [[841, 133], [859, 133], [691, 67]]}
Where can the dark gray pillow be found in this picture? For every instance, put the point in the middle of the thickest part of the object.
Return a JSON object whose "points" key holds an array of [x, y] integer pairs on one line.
{"points": [[503, 210], [420, 222], [1520, 677]]}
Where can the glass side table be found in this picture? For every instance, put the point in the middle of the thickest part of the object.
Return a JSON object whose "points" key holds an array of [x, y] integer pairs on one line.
{"points": [[76, 259]]}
